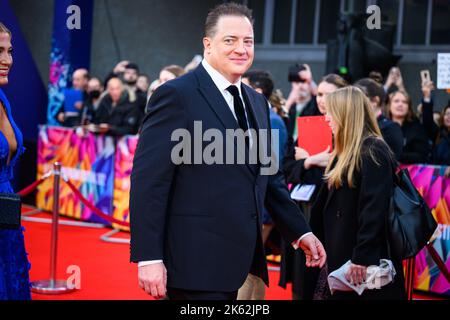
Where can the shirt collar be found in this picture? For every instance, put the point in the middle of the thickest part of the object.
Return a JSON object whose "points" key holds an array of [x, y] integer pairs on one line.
{"points": [[219, 80]]}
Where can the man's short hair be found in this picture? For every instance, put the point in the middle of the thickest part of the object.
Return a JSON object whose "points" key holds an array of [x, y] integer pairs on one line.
{"points": [[85, 73], [225, 9], [133, 66], [260, 79]]}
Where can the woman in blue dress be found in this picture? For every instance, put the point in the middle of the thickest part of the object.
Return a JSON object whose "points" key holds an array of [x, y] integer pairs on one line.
{"points": [[14, 266]]}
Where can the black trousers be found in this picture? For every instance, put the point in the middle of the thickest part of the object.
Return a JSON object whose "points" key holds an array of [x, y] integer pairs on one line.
{"points": [[181, 294]]}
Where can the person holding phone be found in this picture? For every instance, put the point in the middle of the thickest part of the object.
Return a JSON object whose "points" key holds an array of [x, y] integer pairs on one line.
{"points": [[439, 133], [301, 101], [394, 81]]}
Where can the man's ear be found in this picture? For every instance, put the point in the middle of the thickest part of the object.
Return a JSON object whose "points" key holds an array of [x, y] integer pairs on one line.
{"points": [[259, 90], [207, 44]]}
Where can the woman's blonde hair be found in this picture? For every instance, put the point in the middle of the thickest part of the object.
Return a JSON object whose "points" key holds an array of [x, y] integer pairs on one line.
{"points": [[174, 69], [4, 29], [351, 111]]}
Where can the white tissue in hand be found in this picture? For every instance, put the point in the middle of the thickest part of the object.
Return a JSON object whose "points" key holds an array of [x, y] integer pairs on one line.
{"points": [[376, 277]]}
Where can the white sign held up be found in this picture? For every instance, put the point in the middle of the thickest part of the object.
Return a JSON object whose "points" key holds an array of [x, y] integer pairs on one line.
{"points": [[443, 71]]}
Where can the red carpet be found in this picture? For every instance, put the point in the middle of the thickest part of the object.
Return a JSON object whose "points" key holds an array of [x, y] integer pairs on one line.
{"points": [[106, 273]]}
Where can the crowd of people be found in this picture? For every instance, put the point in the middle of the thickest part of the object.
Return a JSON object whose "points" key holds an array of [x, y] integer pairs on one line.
{"points": [[117, 105], [413, 135], [195, 229]]}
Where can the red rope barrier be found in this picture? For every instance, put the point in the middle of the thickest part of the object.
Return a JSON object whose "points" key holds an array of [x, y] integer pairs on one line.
{"points": [[26, 191], [441, 265], [94, 209]]}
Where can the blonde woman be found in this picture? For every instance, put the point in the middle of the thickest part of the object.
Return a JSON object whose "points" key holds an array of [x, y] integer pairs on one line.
{"points": [[349, 214], [303, 168]]}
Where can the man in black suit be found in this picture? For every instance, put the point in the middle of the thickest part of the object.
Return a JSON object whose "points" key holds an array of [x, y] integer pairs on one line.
{"points": [[196, 227]]}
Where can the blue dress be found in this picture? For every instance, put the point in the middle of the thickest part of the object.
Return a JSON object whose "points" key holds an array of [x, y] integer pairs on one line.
{"points": [[14, 266]]}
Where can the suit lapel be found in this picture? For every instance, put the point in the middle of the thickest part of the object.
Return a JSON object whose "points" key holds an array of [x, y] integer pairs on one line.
{"points": [[217, 103], [215, 99]]}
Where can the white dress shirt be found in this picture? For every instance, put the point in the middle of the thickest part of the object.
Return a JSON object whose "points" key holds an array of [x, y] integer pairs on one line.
{"points": [[222, 84]]}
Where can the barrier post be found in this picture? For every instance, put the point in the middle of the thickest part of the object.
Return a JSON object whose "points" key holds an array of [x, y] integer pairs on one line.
{"points": [[53, 286], [409, 277]]}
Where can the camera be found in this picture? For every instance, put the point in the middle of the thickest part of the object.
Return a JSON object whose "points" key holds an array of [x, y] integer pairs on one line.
{"points": [[294, 73]]}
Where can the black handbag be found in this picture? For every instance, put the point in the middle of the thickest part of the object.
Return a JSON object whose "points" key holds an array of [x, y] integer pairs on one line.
{"points": [[410, 223], [10, 211]]}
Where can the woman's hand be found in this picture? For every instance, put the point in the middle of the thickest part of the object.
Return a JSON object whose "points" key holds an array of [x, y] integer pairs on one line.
{"points": [[300, 153], [318, 160], [356, 274], [427, 87]]}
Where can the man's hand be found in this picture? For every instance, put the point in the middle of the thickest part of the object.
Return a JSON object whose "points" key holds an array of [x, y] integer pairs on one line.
{"points": [[61, 117], [356, 274], [120, 67], [79, 105], [103, 127], [314, 251], [153, 279], [293, 95], [306, 74]]}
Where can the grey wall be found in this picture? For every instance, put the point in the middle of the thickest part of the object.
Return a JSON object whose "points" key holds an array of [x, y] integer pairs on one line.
{"points": [[155, 33], [36, 21], [151, 33]]}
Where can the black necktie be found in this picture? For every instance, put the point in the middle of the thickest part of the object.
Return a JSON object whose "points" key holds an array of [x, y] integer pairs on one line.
{"points": [[238, 107]]}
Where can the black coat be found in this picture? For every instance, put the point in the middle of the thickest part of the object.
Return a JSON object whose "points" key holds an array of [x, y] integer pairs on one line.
{"points": [[416, 146], [392, 134], [124, 118], [351, 221], [440, 136], [203, 220]]}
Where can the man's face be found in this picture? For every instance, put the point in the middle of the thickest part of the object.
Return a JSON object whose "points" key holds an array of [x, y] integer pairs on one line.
{"points": [[94, 85], [231, 50], [302, 88], [130, 76], [79, 80], [115, 89]]}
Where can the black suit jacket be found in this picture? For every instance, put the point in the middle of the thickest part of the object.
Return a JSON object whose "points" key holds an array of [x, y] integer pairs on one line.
{"points": [[203, 220], [351, 221]]}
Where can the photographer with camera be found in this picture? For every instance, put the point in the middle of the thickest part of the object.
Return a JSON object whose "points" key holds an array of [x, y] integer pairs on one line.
{"points": [[301, 101]]}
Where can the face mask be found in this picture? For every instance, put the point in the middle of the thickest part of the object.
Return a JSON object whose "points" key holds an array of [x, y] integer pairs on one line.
{"points": [[94, 94]]}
